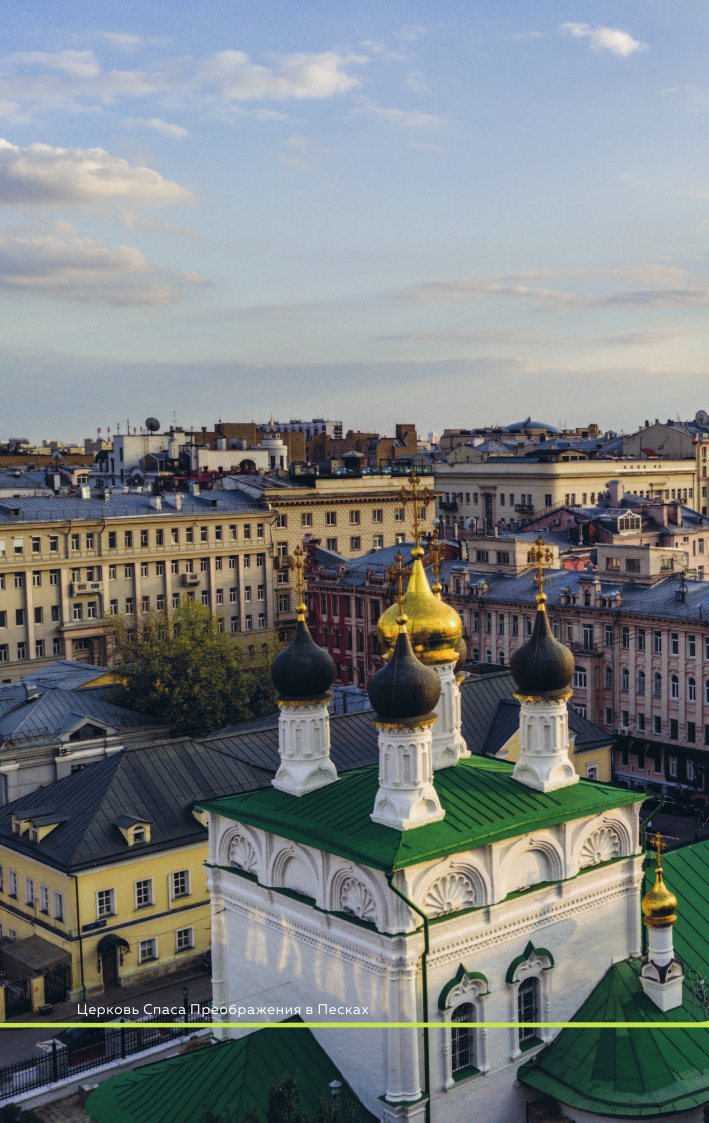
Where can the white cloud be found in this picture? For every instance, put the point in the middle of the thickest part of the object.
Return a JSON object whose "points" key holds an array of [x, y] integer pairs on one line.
{"points": [[298, 76], [605, 39], [299, 142], [165, 128], [411, 32], [124, 40], [40, 174], [408, 118], [293, 162], [82, 269]]}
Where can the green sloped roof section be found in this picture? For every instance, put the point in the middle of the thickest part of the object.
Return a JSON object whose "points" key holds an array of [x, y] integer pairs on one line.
{"points": [[231, 1078], [686, 873], [483, 804], [623, 1072]]}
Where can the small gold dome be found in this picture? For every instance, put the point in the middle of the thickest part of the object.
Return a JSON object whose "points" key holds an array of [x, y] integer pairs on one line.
{"points": [[659, 904], [434, 627]]}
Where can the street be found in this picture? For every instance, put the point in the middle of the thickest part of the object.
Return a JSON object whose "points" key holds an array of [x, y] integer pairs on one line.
{"points": [[17, 1044], [676, 830]]}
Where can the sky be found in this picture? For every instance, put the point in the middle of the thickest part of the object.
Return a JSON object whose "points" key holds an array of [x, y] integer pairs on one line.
{"points": [[453, 212]]}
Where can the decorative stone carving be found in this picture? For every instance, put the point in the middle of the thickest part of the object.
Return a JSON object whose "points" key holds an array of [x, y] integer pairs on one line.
{"points": [[242, 854], [600, 846], [356, 899], [450, 893]]}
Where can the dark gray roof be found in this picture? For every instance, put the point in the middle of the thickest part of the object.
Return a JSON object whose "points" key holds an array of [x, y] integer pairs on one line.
{"points": [[505, 723], [66, 674], [123, 506], [518, 426], [157, 784], [56, 712], [345, 699]]}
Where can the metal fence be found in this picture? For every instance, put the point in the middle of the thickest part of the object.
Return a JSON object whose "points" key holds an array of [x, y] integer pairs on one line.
{"points": [[87, 1049]]}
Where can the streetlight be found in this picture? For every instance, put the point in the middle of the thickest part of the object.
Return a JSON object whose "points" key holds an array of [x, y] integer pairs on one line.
{"points": [[184, 1000], [335, 1086]]}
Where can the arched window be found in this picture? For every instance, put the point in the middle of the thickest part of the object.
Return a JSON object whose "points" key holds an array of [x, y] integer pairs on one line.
{"points": [[674, 686], [657, 685], [463, 1055], [488, 656], [502, 659], [691, 690], [528, 1009], [641, 682], [607, 678], [475, 656], [625, 679]]}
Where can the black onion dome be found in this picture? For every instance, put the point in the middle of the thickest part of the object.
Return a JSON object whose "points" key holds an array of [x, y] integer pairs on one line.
{"points": [[404, 687], [302, 670], [462, 649], [542, 667]]}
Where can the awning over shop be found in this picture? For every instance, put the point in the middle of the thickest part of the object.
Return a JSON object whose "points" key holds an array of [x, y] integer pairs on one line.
{"points": [[32, 956], [110, 941]]}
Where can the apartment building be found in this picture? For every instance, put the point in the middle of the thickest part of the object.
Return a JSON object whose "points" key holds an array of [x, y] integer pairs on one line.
{"points": [[512, 489], [67, 563], [639, 632]]}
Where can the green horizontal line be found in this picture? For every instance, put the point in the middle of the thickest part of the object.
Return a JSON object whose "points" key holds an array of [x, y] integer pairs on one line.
{"points": [[155, 1027]]}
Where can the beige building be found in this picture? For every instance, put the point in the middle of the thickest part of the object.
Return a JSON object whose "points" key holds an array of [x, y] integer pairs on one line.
{"points": [[66, 563], [513, 489]]}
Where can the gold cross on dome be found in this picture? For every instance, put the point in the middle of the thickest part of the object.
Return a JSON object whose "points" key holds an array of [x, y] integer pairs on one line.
{"points": [[297, 562], [436, 549], [540, 554], [418, 498], [659, 844], [396, 573]]}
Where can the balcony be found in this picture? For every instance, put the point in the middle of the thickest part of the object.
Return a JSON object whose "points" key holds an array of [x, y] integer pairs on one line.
{"points": [[585, 648], [443, 506], [80, 588], [524, 508]]}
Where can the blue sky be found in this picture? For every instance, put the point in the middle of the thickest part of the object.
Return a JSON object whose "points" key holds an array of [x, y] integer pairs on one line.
{"points": [[448, 212]]}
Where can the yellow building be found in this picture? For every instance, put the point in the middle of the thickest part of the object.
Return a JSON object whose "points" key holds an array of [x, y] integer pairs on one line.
{"points": [[102, 873]]}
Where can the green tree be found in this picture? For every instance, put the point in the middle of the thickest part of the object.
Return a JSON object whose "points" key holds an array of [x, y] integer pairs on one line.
{"points": [[284, 1107], [183, 670]]}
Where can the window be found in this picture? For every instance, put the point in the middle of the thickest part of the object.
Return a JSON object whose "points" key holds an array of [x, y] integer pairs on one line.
{"points": [[113, 608], [641, 682], [143, 892], [130, 606], [607, 678], [306, 519], [657, 726], [625, 679], [398, 539], [463, 1039], [674, 686], [112, 539], [203, 533], [591, 771], [75, 542], [281, 522], [640, 636], [128, 571], [260, 561], [143, 569], [657, 685], [58, 906], [203, 565], [128, 539], [625, 718], [248, 623], [105, 903], [29, 891], [234, 623], [39, 649], [262, 620], [175, 535], [56, 647], [38, 616], [181, 883], [399, 515], [641, 723], [608, 635], [331, 545], [54, 544], [174, 567], [378, 541], [528, 1010], [632, 565], [691, 737], [674, 729], [247, 593], [160, 537], [691, 647], [691, 690], [160, 602], [608, 719], [144, 538], [259, 530], [355, 544], [19, 580], [674, 643], [657, 642], [12, 884], [36, 579], [147, 950], [625, 638], [19, 617], [354, 518], [184, 939]]}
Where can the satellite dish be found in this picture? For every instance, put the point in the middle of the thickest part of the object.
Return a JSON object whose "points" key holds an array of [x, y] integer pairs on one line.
{"points": [[152, 424], [701, 417]]}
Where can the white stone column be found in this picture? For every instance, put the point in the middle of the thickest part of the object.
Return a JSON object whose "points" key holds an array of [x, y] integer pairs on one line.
{"points": [[662, 975], [448, 743], [544, 744], [403, 1068], [304, 746], [406, 797]]}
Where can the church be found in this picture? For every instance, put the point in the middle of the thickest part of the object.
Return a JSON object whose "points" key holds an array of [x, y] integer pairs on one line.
{"points": [[463, 904]]}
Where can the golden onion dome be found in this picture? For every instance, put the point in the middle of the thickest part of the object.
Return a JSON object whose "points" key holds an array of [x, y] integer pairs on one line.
{"points": [[659, 904], [433, 627]]}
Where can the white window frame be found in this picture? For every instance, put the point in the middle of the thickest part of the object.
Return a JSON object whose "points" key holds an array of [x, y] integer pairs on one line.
{"points": [[174, 896], [187, 947], [144, 955], [151, 896], [536, 965], [99, 914], [474, 991]]}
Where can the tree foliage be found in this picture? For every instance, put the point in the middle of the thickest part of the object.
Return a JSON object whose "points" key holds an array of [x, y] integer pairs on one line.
{"points": [[183, 670], [284, 1107]]}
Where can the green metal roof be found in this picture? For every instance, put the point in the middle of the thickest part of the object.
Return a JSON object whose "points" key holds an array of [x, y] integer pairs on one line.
{"points": [[630, 1072], [483, 804], [231, 1078], [621, 1072]]}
